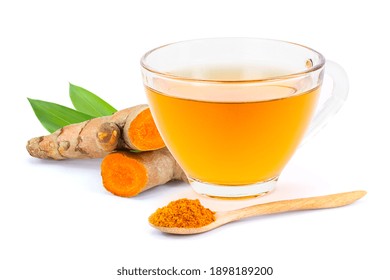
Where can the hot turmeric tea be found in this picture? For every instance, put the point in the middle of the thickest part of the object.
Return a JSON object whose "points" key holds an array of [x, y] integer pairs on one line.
{"points": [[233, 137], [233, 110]]}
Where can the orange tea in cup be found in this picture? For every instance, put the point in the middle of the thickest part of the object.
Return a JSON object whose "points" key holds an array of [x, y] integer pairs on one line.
{"points": [[232, 111]]}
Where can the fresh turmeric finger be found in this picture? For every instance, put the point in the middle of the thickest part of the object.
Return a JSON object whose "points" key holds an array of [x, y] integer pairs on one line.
{"points": [[131, 128], [142, 132], [127, 174]]}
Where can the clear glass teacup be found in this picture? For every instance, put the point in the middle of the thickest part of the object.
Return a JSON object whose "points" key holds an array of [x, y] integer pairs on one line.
{"points": [[233, 111]]}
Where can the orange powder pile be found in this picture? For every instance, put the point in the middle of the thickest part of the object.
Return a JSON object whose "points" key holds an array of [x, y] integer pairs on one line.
{"points": [[183, 213]]}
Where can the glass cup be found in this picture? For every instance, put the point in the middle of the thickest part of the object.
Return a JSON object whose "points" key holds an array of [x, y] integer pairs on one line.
{"points": [[233, 111]]}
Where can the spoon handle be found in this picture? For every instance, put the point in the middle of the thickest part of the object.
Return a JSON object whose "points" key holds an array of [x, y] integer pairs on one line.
{"points": [[317, 202]]}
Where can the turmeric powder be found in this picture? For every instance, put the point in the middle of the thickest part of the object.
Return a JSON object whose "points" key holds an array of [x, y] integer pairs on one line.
{"points": [[183, 213], [131, 128], [127, 174]]}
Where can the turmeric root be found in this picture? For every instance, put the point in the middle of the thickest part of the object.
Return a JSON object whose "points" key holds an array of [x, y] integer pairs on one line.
{"points": [[132, 128], [127, 174]]}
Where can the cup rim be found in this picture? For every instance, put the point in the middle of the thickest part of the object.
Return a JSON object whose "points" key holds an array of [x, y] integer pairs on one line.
{"points": [[311, 69]]}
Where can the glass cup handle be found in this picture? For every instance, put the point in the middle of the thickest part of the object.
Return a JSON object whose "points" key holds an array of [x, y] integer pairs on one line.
{"points": [[333, 104]]}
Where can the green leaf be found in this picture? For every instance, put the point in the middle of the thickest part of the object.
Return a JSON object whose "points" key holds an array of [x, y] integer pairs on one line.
{"points": [[54, 116], [89, 103]]}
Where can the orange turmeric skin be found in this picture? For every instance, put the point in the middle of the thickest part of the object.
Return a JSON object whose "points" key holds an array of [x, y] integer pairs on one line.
{"points": [[127, 174], [183, 213]]}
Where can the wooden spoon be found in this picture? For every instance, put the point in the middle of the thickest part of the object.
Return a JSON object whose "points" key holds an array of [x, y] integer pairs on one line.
{"points": [[318, 202]]}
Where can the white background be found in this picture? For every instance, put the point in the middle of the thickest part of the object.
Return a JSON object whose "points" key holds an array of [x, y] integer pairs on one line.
{"points": [[57, 220]]}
